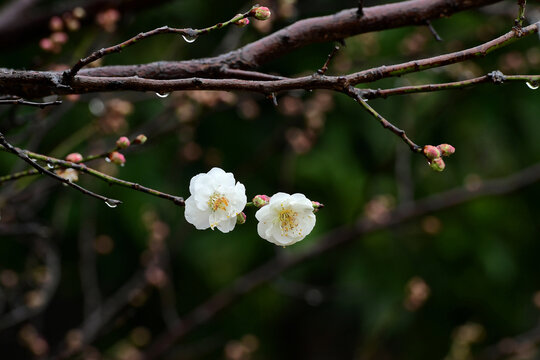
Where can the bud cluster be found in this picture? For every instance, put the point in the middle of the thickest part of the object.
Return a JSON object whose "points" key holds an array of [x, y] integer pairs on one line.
{"points": [[69, 21], [434, 155]]}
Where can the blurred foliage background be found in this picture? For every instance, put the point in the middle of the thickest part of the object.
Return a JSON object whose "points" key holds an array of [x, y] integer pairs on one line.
{"points": [[447, 285]]}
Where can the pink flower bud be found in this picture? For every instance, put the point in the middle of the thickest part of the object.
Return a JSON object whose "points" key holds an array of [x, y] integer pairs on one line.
{"points": [[117, 158], [242, 22], [446, 149], [241, 218], [56, 24], [140, 139], [74, 157], [316, 206], [59, 37], [46, 44], [431, 152], [122, 142], [437, 164], [260, 13], [261, 200]]}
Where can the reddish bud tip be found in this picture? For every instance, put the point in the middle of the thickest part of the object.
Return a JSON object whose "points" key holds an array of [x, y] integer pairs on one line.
{"points": [[432, 152], [74, 157], [316, 206], [241, 218], [446, 149], [437, 164], [59, 37], [46, 44], [260, 13], [242, 22], [56, 24], [122, 142], [261, 200], [117, 158], [140, 139]]}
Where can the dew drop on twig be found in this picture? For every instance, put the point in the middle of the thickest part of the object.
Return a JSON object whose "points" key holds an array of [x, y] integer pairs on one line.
{"points": [[189, 39], [164, 95], [532, 85], [49, 165], [107, 159], [110, 203]]}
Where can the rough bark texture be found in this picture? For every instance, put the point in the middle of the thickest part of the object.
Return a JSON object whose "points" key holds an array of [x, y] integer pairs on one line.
{"points": [[341, 25]]}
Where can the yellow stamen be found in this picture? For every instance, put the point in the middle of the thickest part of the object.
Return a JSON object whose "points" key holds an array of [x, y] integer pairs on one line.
{"points": [[218, 202], [287, 220]]}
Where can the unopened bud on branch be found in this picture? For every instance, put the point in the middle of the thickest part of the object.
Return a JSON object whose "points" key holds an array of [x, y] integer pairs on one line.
{"points": [[74, 157], [241, 218], [140, 139], [242, 22], [437, 164], [446, 149], [316, 206], [122, 142], [261, 200], [117, 158], [260, 13], [432, 152]]}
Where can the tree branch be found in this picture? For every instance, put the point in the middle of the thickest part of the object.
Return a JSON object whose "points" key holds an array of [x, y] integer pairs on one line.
{"points": [[34, 83], [12, 149]]}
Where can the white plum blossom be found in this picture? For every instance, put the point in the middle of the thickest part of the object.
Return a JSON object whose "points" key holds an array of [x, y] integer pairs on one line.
{"points": [[215, 200], [286, 219]]}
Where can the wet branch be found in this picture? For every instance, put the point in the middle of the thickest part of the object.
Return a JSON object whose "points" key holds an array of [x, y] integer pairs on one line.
{"points": [[21, 154]]}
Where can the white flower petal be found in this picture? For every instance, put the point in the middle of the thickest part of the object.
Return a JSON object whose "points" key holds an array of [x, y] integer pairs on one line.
{"points": [[215, 200], [286, 220]]}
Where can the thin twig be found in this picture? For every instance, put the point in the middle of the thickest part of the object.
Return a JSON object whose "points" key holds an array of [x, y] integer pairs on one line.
{"points": [[107, 178], [495, 77], [433, 31], [360, 10], [42, 170], [334, 51], [357, 95], [44, 247], [188, 34], [518, 22], [21, 101]]}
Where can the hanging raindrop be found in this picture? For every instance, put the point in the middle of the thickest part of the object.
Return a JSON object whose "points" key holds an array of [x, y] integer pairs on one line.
{"points": [[533, 85], [110, 203], [107, 159], [189, 38], [49, 165], [164, 95]]}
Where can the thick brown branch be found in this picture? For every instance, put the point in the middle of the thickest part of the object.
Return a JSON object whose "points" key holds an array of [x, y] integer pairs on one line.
{"points": [[302, 33], [33, 83]]}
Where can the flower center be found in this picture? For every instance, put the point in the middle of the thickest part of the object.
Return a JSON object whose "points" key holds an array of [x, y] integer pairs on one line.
{"points": [[287, 220], [218, 202]]}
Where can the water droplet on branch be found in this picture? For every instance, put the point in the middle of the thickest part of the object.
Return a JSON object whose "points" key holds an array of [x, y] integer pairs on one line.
{"points": [[189, 38], [49, 165], [533, 85], [111, 203], [164, 95]]}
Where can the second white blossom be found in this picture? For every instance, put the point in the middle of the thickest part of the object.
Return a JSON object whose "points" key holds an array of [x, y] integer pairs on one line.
{"points": [[286, 219]]}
